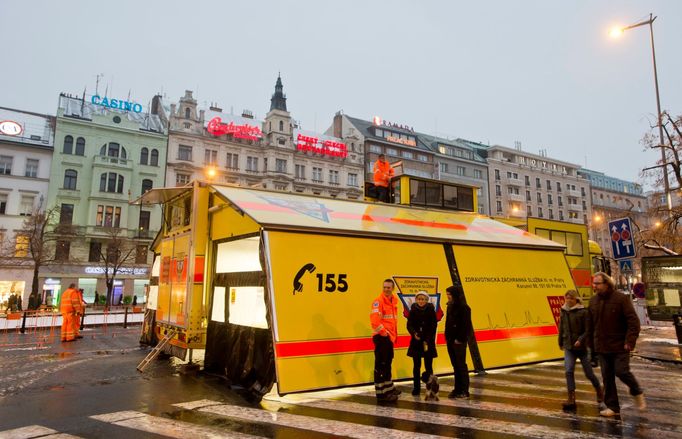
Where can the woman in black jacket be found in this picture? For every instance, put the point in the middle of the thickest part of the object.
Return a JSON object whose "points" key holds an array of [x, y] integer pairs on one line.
{"points": [[458, 327], [421, 324], [573, 340]]}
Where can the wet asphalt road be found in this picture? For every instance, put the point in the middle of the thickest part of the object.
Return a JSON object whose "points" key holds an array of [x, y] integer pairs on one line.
{"points": [[91, 389]]}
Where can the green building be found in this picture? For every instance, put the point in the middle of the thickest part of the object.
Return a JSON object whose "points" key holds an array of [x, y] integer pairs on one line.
{"points": [[107, 153]]}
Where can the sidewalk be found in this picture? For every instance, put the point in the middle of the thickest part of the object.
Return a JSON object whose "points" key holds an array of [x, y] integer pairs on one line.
{"points": [[659, 343]]}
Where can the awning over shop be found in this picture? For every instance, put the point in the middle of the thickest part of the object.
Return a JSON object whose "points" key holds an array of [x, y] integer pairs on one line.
{"points": [[300, 212]]}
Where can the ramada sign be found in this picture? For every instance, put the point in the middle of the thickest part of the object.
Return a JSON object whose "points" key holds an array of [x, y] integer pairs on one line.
{"points": [[325, 147], [246, 131]]}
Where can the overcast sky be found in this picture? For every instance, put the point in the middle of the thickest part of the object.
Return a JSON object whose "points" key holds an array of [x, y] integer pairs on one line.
{"points": [[544, 73]]}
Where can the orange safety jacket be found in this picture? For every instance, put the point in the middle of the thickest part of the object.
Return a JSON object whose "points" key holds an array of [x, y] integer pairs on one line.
{"points": [[70, 302], [382, 173], [384, 316]]}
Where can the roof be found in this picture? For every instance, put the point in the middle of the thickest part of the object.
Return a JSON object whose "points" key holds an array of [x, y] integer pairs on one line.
{"points": [[37, 129], [279, 210], [364, 127], [83, 109]]}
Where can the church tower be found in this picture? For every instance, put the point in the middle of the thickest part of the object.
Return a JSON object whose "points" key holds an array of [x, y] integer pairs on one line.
{"points": [[278, 126]]}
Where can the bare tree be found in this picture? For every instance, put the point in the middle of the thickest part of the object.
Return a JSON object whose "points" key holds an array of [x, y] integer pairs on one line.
{"points": [[37, 242], [118, 252]]}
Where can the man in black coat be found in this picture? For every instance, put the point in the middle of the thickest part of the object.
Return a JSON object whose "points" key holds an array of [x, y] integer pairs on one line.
{"points": [[457, 329]]}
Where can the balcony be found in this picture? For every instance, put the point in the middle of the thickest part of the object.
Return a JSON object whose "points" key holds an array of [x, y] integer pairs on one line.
{"points": [[575, 207], [112, 162], [514, 181], [575, 221], [573, 193], [517, 197]]}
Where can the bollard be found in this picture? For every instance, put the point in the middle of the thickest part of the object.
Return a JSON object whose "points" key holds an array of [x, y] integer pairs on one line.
{"points": [[125, 319], [23, 324]]}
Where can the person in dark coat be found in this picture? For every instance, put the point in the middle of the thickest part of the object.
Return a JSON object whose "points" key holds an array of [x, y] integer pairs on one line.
{"points": [[573, 330], [421, 324], [458, 328], [613, 331]]}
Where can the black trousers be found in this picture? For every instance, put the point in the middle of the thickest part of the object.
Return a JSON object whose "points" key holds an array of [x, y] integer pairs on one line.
{"points": [[382, 193], [383, 358], [612, 366], [458, 357], [417, 366]]}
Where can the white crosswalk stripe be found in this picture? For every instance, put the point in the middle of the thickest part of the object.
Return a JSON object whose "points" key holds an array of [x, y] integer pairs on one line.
{"points": [[167, 427], [339, 428], [34, 431]]}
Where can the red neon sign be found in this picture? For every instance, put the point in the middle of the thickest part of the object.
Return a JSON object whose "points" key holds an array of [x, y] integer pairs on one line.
{"points": [[325, 147], [218, 128]]}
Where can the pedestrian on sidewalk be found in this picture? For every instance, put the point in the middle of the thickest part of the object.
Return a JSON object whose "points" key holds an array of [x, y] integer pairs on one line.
{"points": [[384, 320], [422, 324], [69, 306], [614, 328], [573, 331], [458, 327]]}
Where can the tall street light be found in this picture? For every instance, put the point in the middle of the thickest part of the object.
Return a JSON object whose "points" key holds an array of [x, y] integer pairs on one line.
{"points": [[616, 32]]}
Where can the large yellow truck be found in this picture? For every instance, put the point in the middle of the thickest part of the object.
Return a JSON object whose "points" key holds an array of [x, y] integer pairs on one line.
{"points": [[277, 287]]}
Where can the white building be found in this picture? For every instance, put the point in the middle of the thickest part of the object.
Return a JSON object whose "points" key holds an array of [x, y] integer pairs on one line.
{"points": [[26, 147]]}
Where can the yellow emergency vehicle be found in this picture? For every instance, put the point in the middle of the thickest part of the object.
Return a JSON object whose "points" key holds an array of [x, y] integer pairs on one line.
{"points": [[278, 286]]}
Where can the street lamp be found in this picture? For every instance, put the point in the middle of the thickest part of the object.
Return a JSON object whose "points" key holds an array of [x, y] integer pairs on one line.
{"points": [[616, 32]]}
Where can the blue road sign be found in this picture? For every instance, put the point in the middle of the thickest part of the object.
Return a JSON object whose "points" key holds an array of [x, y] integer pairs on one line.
{"points": [[622, 241], [625, 266]]}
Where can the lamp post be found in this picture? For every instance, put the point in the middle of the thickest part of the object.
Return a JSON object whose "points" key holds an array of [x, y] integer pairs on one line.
{"points": [[617, 32]]}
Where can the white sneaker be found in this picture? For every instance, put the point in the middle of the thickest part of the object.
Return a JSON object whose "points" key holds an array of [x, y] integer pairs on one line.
{"points": [[640, 401], [608, 413]]}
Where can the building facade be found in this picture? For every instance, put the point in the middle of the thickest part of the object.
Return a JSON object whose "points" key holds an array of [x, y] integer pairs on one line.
{"points": [[26, 144], [108, 152], [274, 153], [528, 185]]}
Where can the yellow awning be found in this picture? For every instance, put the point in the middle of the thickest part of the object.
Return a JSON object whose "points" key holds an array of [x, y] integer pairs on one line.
{"points": [[161, 195]]}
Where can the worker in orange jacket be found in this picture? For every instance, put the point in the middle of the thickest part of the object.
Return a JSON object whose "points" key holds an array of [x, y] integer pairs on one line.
{"points": [[384, 319], [69, 306], [383, 171], [79, 314]]}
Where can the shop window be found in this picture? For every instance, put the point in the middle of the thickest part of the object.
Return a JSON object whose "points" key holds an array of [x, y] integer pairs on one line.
{"points": [[68, 145], [80, 146], [70, 179], [94, 255], [144, 156]]}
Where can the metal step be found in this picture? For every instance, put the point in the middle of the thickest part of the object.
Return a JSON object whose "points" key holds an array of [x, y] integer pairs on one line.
{"points": [[157, 350]]}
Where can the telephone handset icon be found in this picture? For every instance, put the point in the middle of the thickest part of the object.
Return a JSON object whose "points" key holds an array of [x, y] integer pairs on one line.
{"points": [[298, 286]]}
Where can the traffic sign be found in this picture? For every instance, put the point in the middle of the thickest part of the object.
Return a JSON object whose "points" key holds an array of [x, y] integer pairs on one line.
{"points": [[622, 241], [625, 266]]}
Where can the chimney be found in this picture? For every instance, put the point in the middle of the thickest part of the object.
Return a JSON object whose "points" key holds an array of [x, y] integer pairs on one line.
{"points": [[247, 114], [338, 124], [214, 107], [156, 104], [201, 115]]}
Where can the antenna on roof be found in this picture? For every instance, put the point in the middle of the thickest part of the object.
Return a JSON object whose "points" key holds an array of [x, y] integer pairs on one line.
{"points": [[517, 145], [97, 83]]}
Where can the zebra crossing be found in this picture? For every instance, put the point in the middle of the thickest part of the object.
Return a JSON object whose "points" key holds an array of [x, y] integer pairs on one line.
{"points": [[511, 403]]}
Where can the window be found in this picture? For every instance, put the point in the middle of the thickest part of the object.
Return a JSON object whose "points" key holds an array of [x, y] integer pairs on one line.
{"points": [[498, 190], [281, 187], [26, 207], [539, 197], [549, 199], [108, 216], [155, 158], [265, 164], [252, 164], [182, 179], [528, 197], [80, 146], [572, 241], [232, 161], [537, 183], [281, 165], [408, 155], [21, 245], [61, 252], [549, 185], [353, 180], [333, 177], [317, 175], [66, 214], [560, 201], [443, 167], [70, 179], [68, 145], [497, 175], [3, 204], [281, 126], [561, 215], [31, 168], [143, 224], [529, 210], [141, 254], [281, 141], [144, 156], [540, 212], [527, 180], [5, 164], [210, 156], [499, 206], [147, 185], [375, 148], [187, 125], [551, 214], [582, 191], [422, 158], [512, 190], [392, 151], [111, 182], [188, 113], [478, 174], [461, 170], [95, 252], [300, 172], [185, 153], [558, 186]]}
